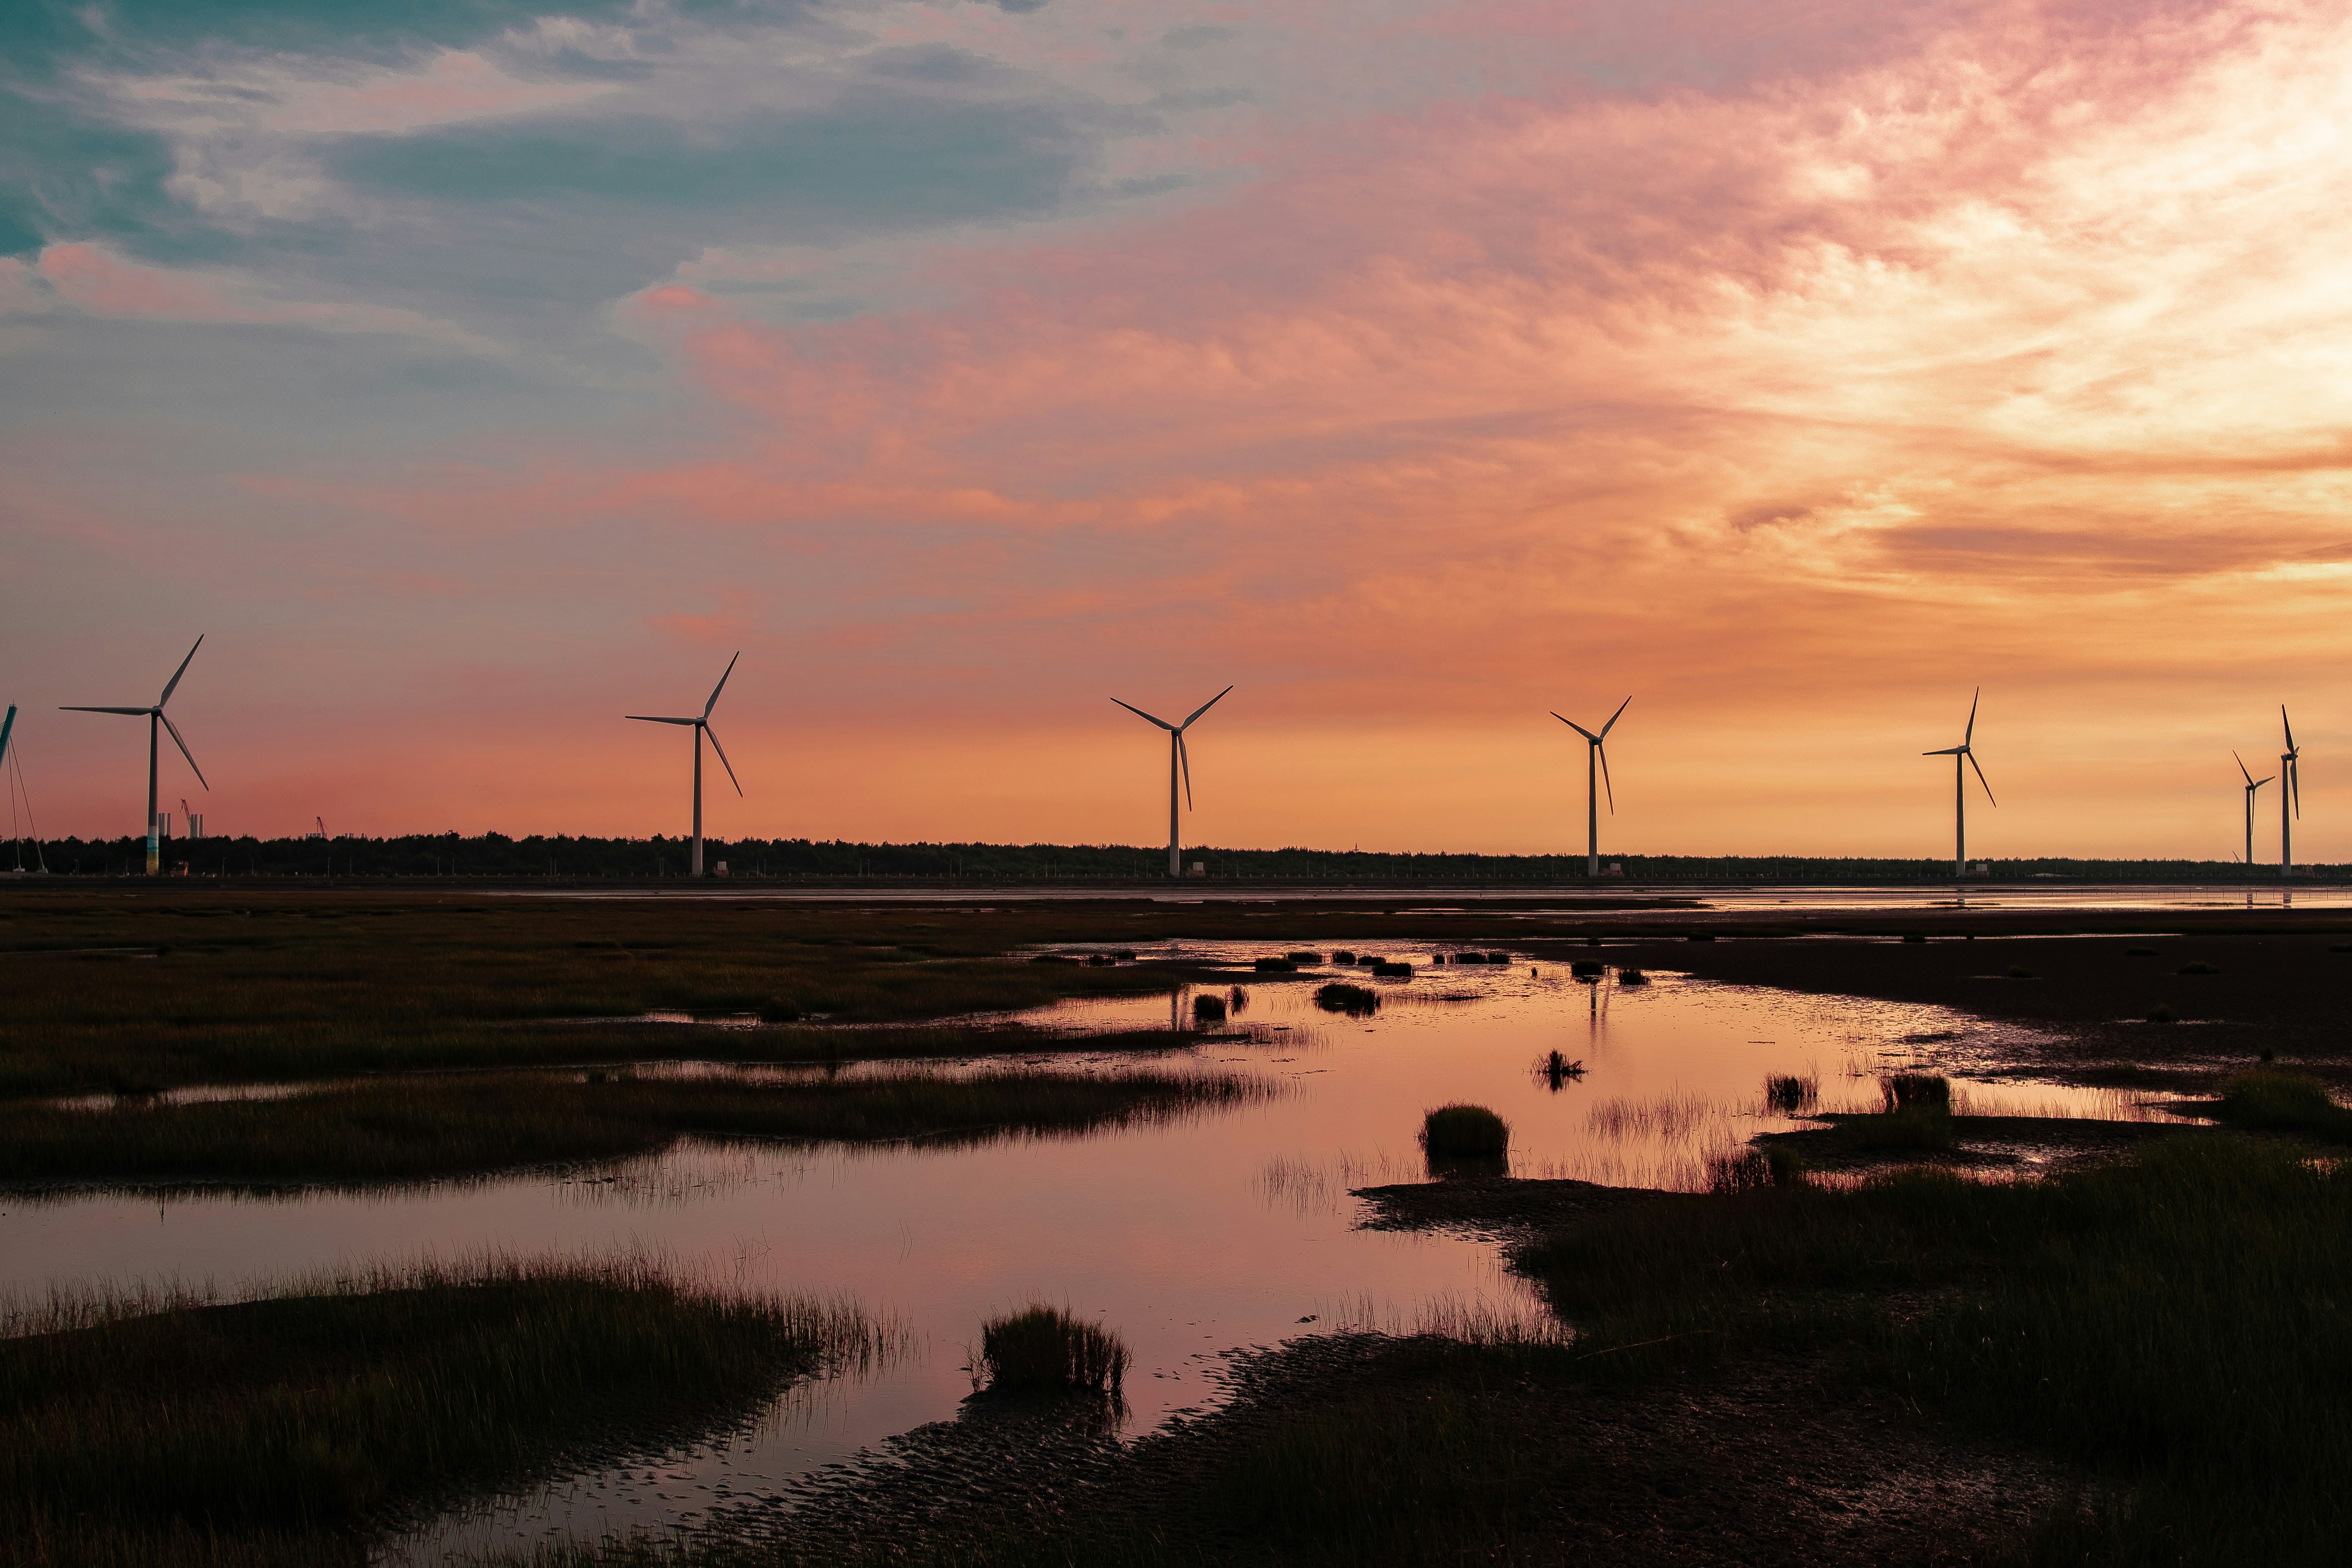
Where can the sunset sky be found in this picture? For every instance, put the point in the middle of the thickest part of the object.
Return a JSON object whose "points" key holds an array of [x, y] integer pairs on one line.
{"points": [[472, 373]]}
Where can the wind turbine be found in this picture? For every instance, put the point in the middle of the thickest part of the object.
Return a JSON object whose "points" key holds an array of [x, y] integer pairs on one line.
{"points": [[1593, 750], [702, 725], [2290, 791], [1177, 758], [154, 717], [2252, 784], [1959, 754]]}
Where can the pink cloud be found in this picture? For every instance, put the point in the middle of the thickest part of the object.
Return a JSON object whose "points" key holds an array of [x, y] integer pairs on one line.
{"points": [[97, 280]]}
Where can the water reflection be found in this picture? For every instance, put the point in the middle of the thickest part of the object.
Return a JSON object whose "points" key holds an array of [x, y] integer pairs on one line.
{"points": [[1192, 1238]]}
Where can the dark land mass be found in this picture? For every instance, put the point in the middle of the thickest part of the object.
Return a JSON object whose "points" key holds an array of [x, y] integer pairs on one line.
{"points": [[412, 1128], [2237, 986], [1369, 1449], [560, 857]]}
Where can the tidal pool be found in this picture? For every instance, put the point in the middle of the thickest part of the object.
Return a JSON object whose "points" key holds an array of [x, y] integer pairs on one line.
{"points": [[1190, 1238]]}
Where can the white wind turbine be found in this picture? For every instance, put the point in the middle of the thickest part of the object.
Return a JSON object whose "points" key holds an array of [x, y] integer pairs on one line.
{"points": [[154, 716], [702, 725], [1959, 754], [1593, 751], [2290, 792], [1177, 760], [2252, 784]]}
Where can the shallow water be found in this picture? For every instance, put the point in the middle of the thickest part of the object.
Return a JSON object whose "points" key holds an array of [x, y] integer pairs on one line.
{"points": [[1190, 1238]]}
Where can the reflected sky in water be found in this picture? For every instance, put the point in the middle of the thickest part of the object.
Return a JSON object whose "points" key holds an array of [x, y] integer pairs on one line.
{"points": [[1191, 1237]]}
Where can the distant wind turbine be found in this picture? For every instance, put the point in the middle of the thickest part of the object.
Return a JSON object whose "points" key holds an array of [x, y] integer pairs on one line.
{"points": [[1177, 760], [1593, 751], [2252, 784], [701, 726], [154, 716], [2290, 793], [1960, 754]]}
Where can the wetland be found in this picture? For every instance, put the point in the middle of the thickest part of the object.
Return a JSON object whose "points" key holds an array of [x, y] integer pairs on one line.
{"points": [[1639, 1331]]}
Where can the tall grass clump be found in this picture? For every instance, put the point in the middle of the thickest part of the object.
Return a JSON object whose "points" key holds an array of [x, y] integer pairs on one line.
{"points": [[1789, 1094], [276, 1431], [1908, 1090], [1208, 1007], [1355, 1001], [1464, 1132], [2284, 1102], [1044, 1348]]}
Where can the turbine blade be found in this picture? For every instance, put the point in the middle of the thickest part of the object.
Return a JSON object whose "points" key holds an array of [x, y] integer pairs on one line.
{"points": [[2242, 766], [183, 749], [1604, 773], [722, 758], [719, 688], [1615, 717], [175, 682], [2295, 786], [1946, 752], [1980, 778], [1141, 714], [141, 712], [1184, 758], [649, 719], [1581, 729], [2287, 727], [1969, 733], [1203, 708]]}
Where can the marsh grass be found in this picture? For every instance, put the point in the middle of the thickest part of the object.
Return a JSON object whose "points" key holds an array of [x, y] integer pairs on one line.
{"points": [[408, 1128], [274, 1431], [2284, 1102], [1789, 1094], [259, 985], [2174, 1323], [1044, 1350]]}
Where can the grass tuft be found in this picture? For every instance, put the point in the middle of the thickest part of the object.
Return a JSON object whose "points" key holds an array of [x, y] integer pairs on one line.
{"points": [[1355, 1001], [1789, 1095], [1208, 1007], [1458, 1132], [1045, 1349]]}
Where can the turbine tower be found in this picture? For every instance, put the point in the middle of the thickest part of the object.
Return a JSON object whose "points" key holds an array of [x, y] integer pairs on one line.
{"points": [[2290, 791], [701, 727], [1593, 751], [1961, 754], [2252, 784], [1177, 760], [154, 716]]}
